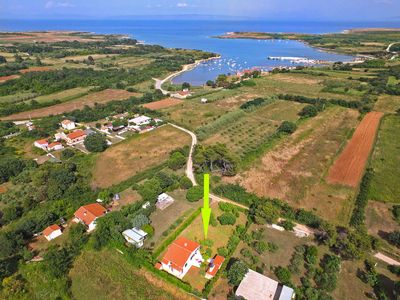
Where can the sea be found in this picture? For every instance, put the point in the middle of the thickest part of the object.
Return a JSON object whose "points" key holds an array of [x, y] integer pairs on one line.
{"points": [[236, 54]]}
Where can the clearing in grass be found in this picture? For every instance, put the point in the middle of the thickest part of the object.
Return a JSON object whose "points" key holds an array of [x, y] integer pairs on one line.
{"points": [[386, 162], [163, 103], [137, 154]]}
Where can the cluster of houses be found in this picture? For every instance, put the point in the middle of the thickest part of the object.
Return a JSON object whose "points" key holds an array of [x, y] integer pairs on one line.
{"points": [[139, 123], [68, 133], [87, 215]]}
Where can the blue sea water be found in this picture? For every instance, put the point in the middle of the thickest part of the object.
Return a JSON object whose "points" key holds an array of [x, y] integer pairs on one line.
{"points": [[198, 34]]}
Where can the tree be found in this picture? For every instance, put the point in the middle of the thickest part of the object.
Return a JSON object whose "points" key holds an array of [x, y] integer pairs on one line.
{"points": [[150, 190], [7, 246], [67, 153], [140, 220], [57, 261], [185, 183], [18, 58], [222, 80], [287, 127], [394, 238], [287, 224], [185, 85], [227, 218], [283, 275], [176, 161], [309, 111], [3, 60], [194, 194], [264, 212], [261, 246], [237, 272], [95, 142]]}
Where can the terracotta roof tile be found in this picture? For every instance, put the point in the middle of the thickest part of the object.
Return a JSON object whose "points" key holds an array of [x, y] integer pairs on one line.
{"points": [[178, 253], [76, 134], [88, 213], [49, 230]]}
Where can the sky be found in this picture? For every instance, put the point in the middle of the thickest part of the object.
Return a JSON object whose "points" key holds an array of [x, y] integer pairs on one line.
{"points": [[383, 10]]}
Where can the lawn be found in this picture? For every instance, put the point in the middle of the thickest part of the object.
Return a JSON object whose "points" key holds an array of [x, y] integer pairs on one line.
{"points": [[64, 95], [176, 213], [295, 169], [385, 161], [136, 154], [387, 103], [107, 275], [247, 133]]}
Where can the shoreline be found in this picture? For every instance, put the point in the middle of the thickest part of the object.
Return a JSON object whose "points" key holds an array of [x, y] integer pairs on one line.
{"points": [[185, 68]]}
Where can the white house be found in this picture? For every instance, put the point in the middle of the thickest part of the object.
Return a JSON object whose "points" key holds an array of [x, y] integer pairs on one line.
{"points": [[42, 144], [88, 214], [140, 121], [203, 100], [68, 124], [135, 236], [55, 146], [182, 94], [51, 232], [181, 255], [256, 286], [164, 200]]}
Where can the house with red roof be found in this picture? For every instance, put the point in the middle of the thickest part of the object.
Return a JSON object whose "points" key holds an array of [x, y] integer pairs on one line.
{"points": [[75, 137], [214, 265], [180, 256], [88, 214], [55, 146], [51, 232], [42, 144]]}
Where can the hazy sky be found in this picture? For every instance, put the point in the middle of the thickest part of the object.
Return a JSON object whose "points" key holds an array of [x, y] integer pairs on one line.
{"points": [[385, 10]]}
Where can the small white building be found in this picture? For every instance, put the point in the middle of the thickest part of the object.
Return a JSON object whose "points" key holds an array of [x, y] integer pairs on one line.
{"points": [[51, 232], [203, 100], [42, 144], [135, 236], [140, 121], [55, 146], [256, 286], [68, 124], [164, 200]]}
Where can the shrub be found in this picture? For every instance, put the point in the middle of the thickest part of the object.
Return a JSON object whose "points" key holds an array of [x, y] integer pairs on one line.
{"points": [[287, 127], [287, 224], [260, 247], [67, 153], [283, 275], [396, 212], [394, 238], [311, 254], [222, 251], [185, 183], [194, 194], [227, 218], [309, 111], [213, 220], [149, 229]]}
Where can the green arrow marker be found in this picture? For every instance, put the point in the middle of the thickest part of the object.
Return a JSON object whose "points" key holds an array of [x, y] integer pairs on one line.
{"points": [[206, 210]]}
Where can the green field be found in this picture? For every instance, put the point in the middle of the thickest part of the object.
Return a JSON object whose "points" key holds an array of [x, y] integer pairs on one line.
{"points": [[386, 161], [107, 275]]}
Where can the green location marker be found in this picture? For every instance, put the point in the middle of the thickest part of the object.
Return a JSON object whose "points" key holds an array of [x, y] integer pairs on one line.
{"points": [[206, 210]]}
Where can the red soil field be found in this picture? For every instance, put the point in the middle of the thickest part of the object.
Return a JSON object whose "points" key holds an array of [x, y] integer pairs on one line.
{"points": [[5, 78], [34, 69], [349, 166], [162, 103]]}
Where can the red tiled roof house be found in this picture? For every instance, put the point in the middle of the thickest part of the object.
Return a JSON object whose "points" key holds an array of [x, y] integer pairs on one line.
{"points": [[75, 137], [51, 232], [42, 144], [214, 265], [181, 255], [88, 214], [55, 146]]}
